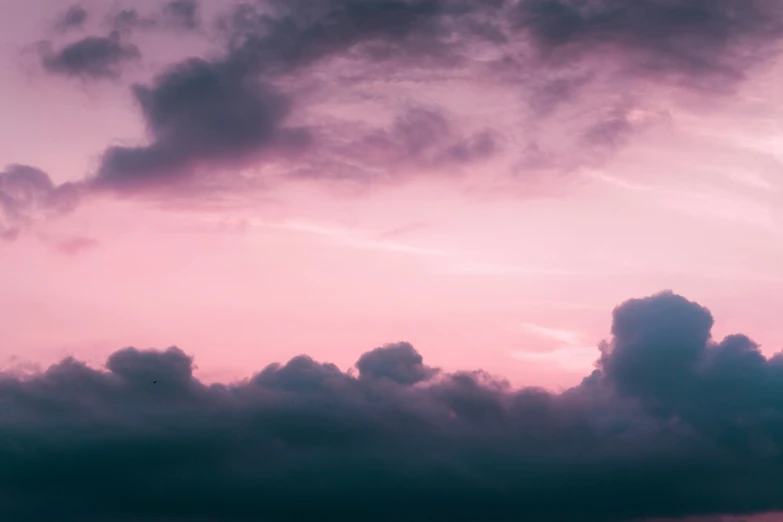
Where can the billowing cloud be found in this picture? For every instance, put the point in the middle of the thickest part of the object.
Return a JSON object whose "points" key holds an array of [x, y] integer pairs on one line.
{"points": [[398, 362], [73, 18], [92, 57], [670, 424]]}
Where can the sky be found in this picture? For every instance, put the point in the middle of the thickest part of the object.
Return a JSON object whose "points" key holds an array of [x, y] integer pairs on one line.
{"points": [[415, 249]]}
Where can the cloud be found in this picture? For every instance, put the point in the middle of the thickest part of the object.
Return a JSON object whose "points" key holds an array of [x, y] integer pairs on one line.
{"points": [[27, 193], [200, 113], [248, 115], [692, 41], [670, 424], [174, 14], [75, 245], [126, 20], [183, 14], [400, 363], [93, 57], [556, 334], [73, 18]]}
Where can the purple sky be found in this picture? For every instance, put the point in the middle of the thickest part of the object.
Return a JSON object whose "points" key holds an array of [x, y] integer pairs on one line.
{"points": [[481, 183]]}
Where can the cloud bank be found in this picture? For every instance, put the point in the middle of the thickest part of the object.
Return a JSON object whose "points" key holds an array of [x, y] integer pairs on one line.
{"points": [[670, 424]]}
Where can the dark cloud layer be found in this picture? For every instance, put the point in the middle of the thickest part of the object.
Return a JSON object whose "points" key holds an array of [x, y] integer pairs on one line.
{"points": [[90, 58], [692, 39], [670, 424], [212, 120], [689, 42]]}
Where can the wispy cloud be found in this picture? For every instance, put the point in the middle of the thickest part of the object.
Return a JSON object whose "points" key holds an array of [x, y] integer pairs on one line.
{"points": [[557, 334], [569, 358], [570, 352], [708, 204], [356, 238]]}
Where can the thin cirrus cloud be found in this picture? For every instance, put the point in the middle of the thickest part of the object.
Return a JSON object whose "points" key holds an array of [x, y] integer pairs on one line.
{"points": [[250, 107], [670, 424], [708, 205]]}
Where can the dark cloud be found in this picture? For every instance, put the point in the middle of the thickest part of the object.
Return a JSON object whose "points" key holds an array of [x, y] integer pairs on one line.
{"points": [[26, 193], [200, 113], [174, 14], [670, 424], [73, 18], [398, 362], [128, 19], [693, 40], [183, 14], [237, 110], [93, 57]]}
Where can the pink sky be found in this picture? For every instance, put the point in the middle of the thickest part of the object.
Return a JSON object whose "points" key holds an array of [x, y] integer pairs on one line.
{"points": [[473, 273], [487, 184]]}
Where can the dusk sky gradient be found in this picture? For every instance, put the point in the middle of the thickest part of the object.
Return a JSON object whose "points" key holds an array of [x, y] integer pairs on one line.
{"points": [[485, 183]]}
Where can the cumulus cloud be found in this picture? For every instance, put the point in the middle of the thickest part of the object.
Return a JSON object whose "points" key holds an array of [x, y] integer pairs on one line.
{"points": [[93, 57], [670, 424]]}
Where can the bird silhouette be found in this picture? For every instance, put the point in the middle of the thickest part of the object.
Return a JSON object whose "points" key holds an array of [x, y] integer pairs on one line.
{"points": [[153, 382]]}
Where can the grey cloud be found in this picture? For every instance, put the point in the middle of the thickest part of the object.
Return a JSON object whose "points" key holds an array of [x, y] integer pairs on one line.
{"points": [[689, 40], [398, 362], [694, 40], [183, 14], [128, 19], [73, 18], [26, 192], [174, 14], [670, 424], [417, 139], [233, 111], [200, 113], [93, 57]]}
